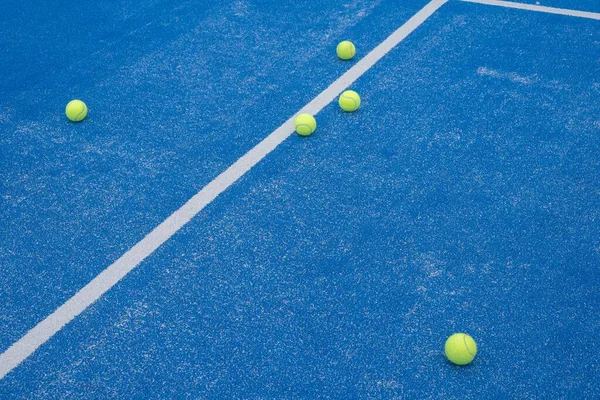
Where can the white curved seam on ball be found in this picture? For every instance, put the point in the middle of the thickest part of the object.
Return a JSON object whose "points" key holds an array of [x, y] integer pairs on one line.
{"points": [[83, 107], [467, 346], [351, 98], [301, 125]]}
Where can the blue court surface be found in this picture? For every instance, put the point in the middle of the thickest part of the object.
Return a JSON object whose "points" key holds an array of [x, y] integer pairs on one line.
{"points": [[463, 196]]}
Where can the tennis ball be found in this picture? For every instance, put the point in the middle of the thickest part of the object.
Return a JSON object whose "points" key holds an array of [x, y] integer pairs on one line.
{"points": [[349, 101], [460, 349], [346, 50], [76, 110], [305, 124]]}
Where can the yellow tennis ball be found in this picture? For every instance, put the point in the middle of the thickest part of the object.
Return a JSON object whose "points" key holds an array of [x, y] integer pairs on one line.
{"points": [[460, 349], [349, 101], [305, 124], [346, 50], [76, 110]]}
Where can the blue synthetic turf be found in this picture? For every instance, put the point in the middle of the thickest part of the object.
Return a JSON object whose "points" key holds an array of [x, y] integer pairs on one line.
{"points": [[462, 196], [161, 125]]}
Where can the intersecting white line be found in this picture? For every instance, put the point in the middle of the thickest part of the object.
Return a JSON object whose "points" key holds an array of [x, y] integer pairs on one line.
{"points": [[532, 7]]}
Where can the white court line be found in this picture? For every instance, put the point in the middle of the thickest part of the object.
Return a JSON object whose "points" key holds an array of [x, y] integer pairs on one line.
{"points": [[544, 9], [43, 331]]}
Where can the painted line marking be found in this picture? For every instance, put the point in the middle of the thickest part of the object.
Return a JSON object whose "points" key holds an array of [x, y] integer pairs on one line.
{"points": [[543, 9], [97, 287]]}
